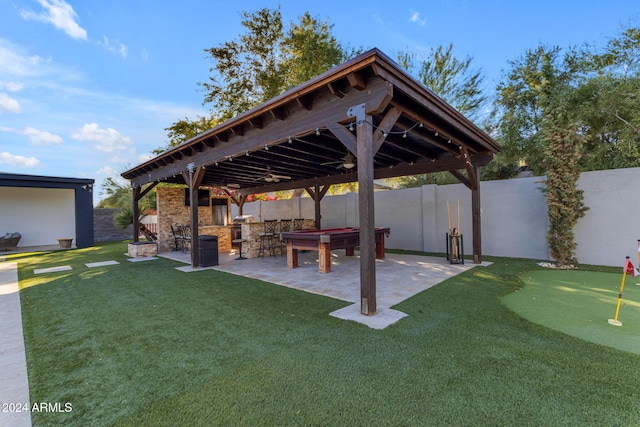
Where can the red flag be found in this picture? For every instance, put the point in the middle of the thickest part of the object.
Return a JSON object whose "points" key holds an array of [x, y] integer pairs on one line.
{"points": [[628, 268]]}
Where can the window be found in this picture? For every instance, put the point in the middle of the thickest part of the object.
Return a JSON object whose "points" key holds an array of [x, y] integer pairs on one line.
{"points": [[219, 209]]}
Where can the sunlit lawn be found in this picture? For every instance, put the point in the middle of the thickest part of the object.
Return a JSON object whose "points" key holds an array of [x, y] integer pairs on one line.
{"points": [[144, 344]]}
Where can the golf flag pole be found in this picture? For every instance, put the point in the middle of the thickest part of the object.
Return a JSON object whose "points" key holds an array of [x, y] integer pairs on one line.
{"points": [[638, 263], [628, 268]]}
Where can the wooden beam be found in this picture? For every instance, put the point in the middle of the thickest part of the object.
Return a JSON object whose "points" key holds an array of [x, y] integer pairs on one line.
{"points": [[194, 177], [345, 136], [385, 127], [476, 220], [368, 304], [147, 189], [356, 81], [317, 194], [238, 130], [474, 179], [255, 122], [334, 90], [332, 110], [135, 212], [305, 102], [463, 179], [278, 113]]}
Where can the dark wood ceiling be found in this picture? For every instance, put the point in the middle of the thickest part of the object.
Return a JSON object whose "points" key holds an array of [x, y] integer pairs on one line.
{"points": [[303, 136]]}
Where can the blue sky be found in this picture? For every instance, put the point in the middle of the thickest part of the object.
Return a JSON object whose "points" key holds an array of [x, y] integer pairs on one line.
{"points": [[88, 87]]}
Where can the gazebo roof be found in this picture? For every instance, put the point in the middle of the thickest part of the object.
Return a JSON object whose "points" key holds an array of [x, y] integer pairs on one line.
{"points": [[303, 136]]}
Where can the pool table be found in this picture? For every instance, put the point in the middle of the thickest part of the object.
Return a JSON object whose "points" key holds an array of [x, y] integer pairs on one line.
{"points": [[324, 241]]}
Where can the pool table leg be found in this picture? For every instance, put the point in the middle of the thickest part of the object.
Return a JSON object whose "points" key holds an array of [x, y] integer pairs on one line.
{"points": [[324, 257], [292, 255], [380, 248]]}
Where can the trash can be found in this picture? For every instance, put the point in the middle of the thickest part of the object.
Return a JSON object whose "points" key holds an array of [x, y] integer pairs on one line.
{"points": [[207, 251]]}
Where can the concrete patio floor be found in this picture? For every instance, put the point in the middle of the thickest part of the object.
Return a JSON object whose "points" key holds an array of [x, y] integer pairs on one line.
{"points": [[398, 278]]}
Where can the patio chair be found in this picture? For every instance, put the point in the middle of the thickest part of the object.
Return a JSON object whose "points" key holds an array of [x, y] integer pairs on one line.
{"points": [[177, 241], [267, 238], [184, 231], [285, 225], [298, 223]]}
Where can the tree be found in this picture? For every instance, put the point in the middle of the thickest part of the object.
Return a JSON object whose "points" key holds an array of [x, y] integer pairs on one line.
{"points": [[120, 197], [609, 103], [456, 82], [183, 130], [539, 123], [606, 93], [265, 61], [451, 78], [562, 151]]}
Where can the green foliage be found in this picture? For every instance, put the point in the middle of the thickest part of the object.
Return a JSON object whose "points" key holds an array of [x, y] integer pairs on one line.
{"points": [[605, 91], [451, 78], [540, 125], [121, 197], [455, 81], [439, 178], [266, 60], [183, 130], [309, 49], [562, 151]]}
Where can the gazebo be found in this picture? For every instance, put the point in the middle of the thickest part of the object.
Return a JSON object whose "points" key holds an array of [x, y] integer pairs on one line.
{"points": [[363, 120]]}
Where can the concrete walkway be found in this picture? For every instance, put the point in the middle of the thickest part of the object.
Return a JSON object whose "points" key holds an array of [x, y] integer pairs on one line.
{"points": [[398, 278], [14, 382]]}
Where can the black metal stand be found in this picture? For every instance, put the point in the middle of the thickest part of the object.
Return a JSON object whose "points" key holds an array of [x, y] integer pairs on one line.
{"points": [[455, 248]]}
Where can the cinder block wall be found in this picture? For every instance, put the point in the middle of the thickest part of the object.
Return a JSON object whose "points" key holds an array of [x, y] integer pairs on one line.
{"points": [[105, 229]]}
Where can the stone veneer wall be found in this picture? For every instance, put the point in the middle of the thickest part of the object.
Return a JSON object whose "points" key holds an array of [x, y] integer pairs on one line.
{"points": [[172, 211]]}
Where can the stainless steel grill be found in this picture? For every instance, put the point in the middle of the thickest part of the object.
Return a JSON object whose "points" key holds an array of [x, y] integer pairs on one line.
{"points": [[236, 227]]}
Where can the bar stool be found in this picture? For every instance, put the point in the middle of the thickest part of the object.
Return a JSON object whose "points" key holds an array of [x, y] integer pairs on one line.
{"points": [[239, 242], [285, 225], [267, 238]]}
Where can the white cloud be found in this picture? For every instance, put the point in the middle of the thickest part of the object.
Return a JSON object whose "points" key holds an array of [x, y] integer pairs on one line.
{"points": [[61, 15], [40, 137], [11, 86], [18, 161], [417, 19], [118, 47], [9, 104], [105, 140]]}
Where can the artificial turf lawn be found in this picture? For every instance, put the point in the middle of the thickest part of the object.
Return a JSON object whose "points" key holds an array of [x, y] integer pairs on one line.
{"points": [[144, 344], [579, 303]]}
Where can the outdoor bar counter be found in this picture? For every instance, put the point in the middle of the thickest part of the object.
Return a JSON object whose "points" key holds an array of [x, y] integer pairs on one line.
{"points": [[251, 234]]}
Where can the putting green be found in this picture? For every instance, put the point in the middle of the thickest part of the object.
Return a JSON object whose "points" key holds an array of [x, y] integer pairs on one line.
{"points": [[579, 303]]}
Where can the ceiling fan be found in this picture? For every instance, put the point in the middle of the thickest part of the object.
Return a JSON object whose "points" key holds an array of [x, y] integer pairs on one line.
{"points": [[225, 186], [347, 162], [272, 177]]}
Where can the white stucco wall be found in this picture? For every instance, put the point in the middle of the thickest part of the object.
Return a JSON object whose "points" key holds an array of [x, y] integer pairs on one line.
{"points": [[40, 215], [513, 215], [610, 229]]}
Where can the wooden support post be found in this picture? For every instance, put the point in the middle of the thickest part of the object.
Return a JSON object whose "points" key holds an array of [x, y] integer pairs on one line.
{"points": [[317, 194], [476, 219], [364, 137], [135, 212], [193, 178]]}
